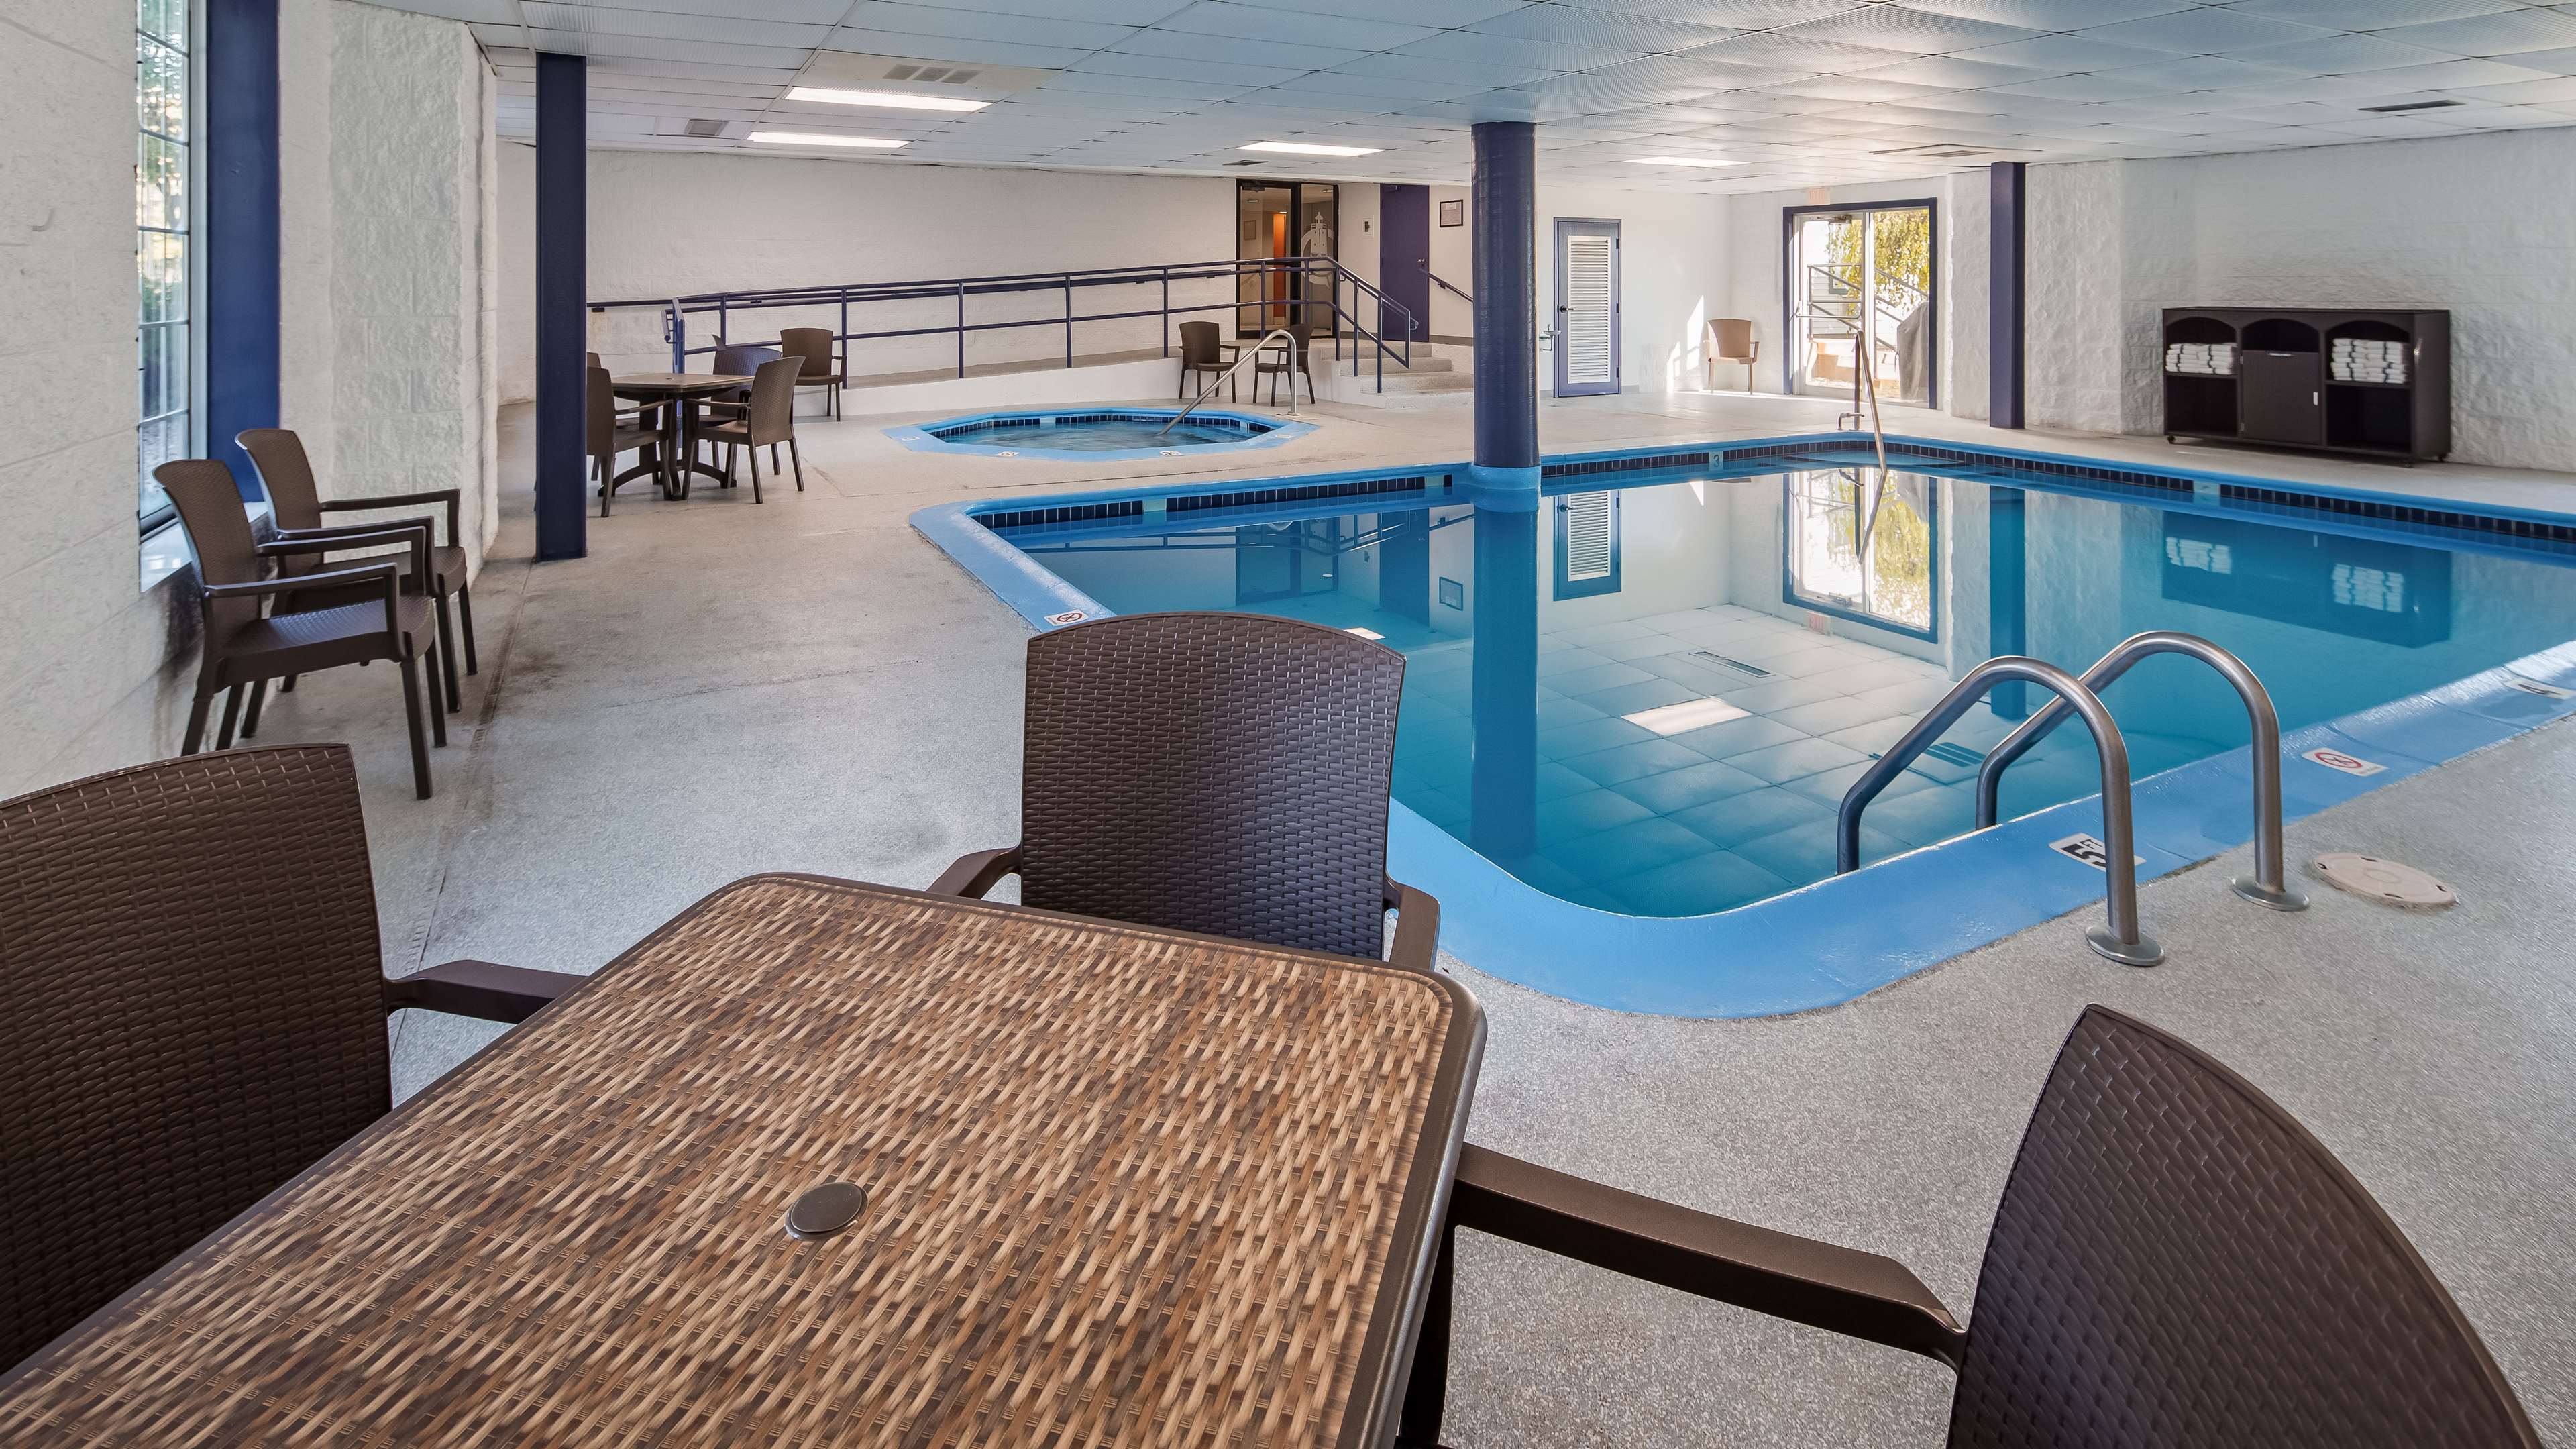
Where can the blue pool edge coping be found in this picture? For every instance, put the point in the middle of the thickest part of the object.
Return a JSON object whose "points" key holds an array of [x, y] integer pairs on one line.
{"points": [[924, 437], [1827, 943]]}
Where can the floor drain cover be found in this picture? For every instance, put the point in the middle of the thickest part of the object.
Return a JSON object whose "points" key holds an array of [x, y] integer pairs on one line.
{"points": [[2385, 880]]}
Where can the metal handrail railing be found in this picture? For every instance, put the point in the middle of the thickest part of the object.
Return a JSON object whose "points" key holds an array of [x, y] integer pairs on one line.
{"points": [[1254, 356], [1443, 282], [2120, 941], [2266, 886], [676, 310]]}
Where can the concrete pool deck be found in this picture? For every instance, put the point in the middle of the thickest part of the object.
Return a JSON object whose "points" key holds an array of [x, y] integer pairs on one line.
{"points": [[720, 689]]}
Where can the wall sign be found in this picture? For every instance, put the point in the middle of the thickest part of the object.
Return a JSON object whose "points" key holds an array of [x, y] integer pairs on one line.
{"points": [[1453, 213], [2338, 760], [2545, 691]]}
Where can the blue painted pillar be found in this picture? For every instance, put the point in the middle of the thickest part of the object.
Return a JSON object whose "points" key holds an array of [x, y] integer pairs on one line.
{"points": [[563, 329], [239, 229], [2006, 181], [1503, 690], [1505, 474]]}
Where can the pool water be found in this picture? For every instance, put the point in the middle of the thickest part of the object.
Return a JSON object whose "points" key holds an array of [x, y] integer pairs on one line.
{"points": [[1101, 436], [1651, 698]]}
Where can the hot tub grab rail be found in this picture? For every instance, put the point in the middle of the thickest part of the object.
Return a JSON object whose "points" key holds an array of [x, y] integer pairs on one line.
{"points": [[1254, 355]]}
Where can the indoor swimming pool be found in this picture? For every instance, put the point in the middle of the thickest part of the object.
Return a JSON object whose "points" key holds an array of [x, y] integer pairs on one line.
{"points": [[1099, 434], [1648, 697]]}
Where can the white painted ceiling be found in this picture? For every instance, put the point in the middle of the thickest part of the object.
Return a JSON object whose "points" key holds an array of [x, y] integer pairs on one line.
{"points": [[1802, 92]]}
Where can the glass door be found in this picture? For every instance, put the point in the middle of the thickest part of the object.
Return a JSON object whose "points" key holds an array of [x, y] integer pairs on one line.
{"points": [[1860, 293], [1276, 221]]}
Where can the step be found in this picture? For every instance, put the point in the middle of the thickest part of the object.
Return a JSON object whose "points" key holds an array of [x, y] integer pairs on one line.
{"points": [[1422, 382]]}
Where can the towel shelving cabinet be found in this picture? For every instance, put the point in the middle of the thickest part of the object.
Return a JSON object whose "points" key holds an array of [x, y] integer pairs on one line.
{"points": [[2283, 393]]}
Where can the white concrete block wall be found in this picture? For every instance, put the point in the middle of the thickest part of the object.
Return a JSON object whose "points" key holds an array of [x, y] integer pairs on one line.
{"points": [[95, 672], [86, 682], [515, 222], [2072, 297]]}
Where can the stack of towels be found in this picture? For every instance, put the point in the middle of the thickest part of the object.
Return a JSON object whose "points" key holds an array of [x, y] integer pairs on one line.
{"points": [[2360, 360], [2205, 359]]}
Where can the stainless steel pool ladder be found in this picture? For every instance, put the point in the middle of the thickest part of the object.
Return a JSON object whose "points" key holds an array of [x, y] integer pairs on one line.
{"points": [[2266, 886], [1254, 355], [2120, 940]]}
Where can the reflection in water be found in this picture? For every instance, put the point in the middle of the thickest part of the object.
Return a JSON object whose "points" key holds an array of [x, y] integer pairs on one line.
{"points": [[1669, 734], [1861, 543]]}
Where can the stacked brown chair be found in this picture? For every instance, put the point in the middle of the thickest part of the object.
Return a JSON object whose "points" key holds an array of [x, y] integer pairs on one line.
{"points": [[1297, 362], [606, 435], [297, 508], [766, 421], [1222, 773], [1730, 340], [195, 1012], [1202, 353], [824, 368], [2175, 1261], [243, 651]]}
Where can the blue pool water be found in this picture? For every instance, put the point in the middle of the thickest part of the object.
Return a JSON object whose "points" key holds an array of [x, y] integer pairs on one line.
{"points": [[1650, 698], [1097, 434]]}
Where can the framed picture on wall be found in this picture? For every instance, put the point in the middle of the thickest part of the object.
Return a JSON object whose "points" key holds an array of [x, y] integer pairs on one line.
{"points": [[1453, 213]]}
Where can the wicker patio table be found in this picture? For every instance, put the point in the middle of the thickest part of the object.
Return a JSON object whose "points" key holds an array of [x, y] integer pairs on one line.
{"points": [[1123, 1186]]}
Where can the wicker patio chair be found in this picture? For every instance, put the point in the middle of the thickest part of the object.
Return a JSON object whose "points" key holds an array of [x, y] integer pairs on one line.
{"points": [[606, 433], [195, 1011], [824, 368], [1296, 362], [240, 651], [297, 507], [1224, 773], [2176, 1261], [1201, 354], [768, 420]]}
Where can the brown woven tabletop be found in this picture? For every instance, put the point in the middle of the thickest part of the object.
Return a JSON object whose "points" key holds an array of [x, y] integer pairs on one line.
{"points": [[1124, 1187]]}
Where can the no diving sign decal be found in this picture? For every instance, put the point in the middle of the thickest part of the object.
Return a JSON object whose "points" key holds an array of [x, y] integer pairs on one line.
{"points": [[2338, 760], [2090, 851]]}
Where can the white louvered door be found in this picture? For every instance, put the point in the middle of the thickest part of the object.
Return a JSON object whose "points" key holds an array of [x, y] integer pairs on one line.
{"points": [[1587, 537], [1587, 316]]}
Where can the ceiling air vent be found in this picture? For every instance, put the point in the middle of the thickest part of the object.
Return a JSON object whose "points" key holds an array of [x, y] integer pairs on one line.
{"points": [[850, 70], [703, 128], [2410, 106], [946, 75]]}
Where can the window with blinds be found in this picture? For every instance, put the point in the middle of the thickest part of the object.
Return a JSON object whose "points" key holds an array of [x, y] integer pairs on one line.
{"points": [[1587, 545]]}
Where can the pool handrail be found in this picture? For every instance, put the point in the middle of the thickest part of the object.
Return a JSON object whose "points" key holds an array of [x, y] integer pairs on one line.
{"points": [[2266, 886], [1254, 355], [2120, 941]]}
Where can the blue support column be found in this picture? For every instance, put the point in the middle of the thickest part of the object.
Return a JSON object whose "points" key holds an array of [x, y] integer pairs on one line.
{"points": [[2006, 181], [1505, 474], [2008, 593], [563, 329], [239, 229]]}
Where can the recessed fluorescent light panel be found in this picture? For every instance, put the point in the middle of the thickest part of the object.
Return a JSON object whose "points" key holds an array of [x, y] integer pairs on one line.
{"points": [[1673, 719], [1309, 148], [817, 138], [891, 100], [1704, 162]]}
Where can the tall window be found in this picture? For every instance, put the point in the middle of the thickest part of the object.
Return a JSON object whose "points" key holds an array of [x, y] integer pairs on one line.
{"points": [[161, 221], [1860, 545]]}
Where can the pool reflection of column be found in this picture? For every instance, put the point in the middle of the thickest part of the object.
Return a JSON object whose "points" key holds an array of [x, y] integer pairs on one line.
{"points": [[2008, 609], [1503, 810]]}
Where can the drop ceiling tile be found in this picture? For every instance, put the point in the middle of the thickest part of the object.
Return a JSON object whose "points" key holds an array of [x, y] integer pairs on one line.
{"points": [[2502, 34], [1643, 33], [1113, 62], [1954, 73], [2454, 74], [2204, 32], [500, 37], [934, 19], [2050, 14], [2556, 89], [688, 69], [1897, 27], [1107, 12], [2554, 62], [1438, 14], [1228, 49], [1980, 103], [2371, 14], [1856, 88], [1746, 14], [482, 12], [811, 12], [2342, 54], [2082, 88], [2197, 73], [2296, 113], [952, 48], [2063, 53], [1366, 89], [1486, 49], [1428, 68], [1140, 86], [678, 52], [1778, 48], [1262, 22], [598, 20]]}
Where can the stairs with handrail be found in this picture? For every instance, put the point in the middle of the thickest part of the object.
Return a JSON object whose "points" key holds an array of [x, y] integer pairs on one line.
{"points": [[2120, 938]]}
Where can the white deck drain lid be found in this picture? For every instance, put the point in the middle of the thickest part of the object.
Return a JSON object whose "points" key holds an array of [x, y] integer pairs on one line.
{"points": [[2385, 881]]}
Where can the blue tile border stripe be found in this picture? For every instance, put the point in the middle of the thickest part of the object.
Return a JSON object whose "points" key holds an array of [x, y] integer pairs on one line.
{"points": [[1842, 938]]}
